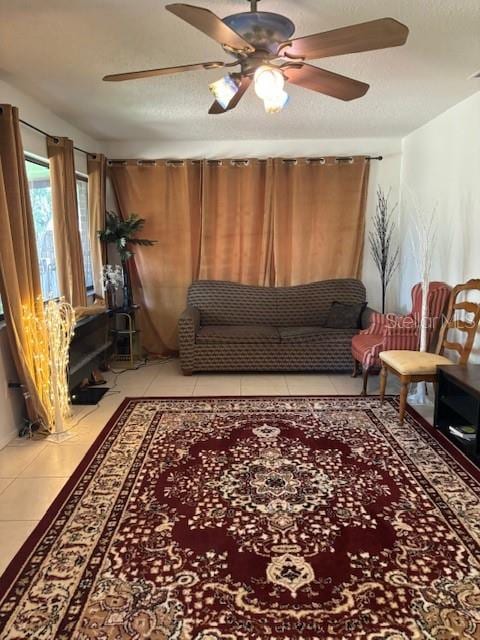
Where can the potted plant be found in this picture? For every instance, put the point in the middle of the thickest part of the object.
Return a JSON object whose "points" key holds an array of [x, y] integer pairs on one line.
{"points": [[122, 233]]}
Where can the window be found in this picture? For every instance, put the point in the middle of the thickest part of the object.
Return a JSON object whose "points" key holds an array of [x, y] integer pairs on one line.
{"points": [[82, 197], [38, 175]]}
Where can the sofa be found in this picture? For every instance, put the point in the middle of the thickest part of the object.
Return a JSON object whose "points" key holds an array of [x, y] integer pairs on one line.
{"points": [[235, 327]]}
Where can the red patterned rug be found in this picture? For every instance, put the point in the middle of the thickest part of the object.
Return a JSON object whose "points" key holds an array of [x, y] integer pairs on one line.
{"points": [[207, 519]]}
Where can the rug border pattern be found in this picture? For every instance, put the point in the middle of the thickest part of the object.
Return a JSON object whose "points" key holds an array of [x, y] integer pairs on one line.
{"points": [[464, 468]]}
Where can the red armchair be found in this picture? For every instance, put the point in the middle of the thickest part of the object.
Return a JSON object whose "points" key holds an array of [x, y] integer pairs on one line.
{"points": [[393, 332]]}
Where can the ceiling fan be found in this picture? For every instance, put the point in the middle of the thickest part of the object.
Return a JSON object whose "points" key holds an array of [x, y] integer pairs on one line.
{"points": [[261, 43]]}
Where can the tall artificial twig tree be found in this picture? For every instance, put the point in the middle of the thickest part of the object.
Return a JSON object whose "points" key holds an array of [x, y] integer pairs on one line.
{"points": [[423, 240], [423, 245], [385, 255]]}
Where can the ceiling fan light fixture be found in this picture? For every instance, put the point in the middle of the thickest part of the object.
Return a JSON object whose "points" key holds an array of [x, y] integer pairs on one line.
{"points": [[224, 90], [261, 44], [276, 103], [269, 82]]}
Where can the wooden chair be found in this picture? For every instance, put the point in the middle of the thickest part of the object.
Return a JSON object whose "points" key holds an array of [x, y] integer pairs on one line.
{"points": [[389, 332], [416, 366]]}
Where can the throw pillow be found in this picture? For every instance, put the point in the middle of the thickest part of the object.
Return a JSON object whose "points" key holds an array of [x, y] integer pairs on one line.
{"points": [[345, 316]]}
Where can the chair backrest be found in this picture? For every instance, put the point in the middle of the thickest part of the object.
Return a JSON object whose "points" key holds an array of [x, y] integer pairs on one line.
{"points": [[468, 327], [438, 296]]}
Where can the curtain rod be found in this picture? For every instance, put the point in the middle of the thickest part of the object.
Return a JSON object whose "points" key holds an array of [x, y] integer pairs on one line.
{"points": [[47, 135], [152, 163]]}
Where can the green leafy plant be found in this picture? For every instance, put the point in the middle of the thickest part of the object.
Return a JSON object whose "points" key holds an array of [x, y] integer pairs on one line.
{"points": [[123, 234]]}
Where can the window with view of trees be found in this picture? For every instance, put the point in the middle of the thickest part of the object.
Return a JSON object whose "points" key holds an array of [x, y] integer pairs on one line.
{"points": [[82, 197], [38, 175]]}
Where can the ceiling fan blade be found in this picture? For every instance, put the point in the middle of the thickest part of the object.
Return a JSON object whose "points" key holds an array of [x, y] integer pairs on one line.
{"points": [[327, 82], [367, 36], [211, 25], [217, 108], [149, 73]]}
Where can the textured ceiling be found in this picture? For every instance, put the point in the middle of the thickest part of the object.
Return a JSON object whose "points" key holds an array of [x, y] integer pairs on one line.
{"points": [[58, 51]]}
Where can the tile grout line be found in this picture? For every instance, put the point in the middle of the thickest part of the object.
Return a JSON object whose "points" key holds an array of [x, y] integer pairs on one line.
{"points": [[7, 485], [21, 519], [20, 471], [194, 386]]}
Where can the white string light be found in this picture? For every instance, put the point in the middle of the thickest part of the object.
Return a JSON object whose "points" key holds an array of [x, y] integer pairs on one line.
{"points": [[48, 332], [60, 325]]}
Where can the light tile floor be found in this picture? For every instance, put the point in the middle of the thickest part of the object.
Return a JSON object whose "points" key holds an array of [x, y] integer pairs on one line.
{"points": [[32, 472]]}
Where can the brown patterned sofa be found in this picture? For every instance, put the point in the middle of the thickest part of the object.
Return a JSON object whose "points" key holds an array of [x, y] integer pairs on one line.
{"points": [[234, 327]]}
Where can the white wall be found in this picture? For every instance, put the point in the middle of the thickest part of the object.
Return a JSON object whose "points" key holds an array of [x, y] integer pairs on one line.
{"points": [[11, 402], [441, 168], [385, 173], [211, 149]]}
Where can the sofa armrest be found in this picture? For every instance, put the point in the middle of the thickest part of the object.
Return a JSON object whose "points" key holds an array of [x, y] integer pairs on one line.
{"points": [[188, 325], [367, 317]]}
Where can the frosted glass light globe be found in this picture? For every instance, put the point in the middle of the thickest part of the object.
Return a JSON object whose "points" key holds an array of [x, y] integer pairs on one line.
{"points": [[269, 82], [276, 103]]}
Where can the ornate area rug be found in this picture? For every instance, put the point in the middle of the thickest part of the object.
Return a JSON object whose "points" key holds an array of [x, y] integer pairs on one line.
{"points": [[278, 518]]}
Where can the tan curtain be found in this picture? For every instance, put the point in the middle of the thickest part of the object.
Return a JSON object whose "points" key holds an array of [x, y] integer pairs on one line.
{"points": [[96, 171], [319, 219], [236, 240], [19, 272], [68, 246], [261, 222], [168, 196]]}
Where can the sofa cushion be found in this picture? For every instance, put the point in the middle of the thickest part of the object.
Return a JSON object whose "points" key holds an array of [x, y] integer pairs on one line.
{"points": [[246, 334], [292, 333], [297, 335]]}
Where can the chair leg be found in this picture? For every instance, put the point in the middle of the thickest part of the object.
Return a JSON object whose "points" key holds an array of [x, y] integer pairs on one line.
{"points": [[355, 368], [403, 400], [383, 382], [365, 383]]}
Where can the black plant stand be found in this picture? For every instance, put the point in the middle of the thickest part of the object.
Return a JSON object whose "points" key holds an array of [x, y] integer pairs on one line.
{"points": [[126, 347]]}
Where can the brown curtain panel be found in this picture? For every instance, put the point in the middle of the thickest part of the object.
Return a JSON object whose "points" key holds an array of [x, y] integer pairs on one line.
{"points": [[259, 222], [168, 196], [96, 171], [19, 272], [236, 239], [68, 246], [319, 219]]}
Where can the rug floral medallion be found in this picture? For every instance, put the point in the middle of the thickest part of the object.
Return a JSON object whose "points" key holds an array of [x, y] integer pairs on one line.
{"points": [[223, 519]]}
